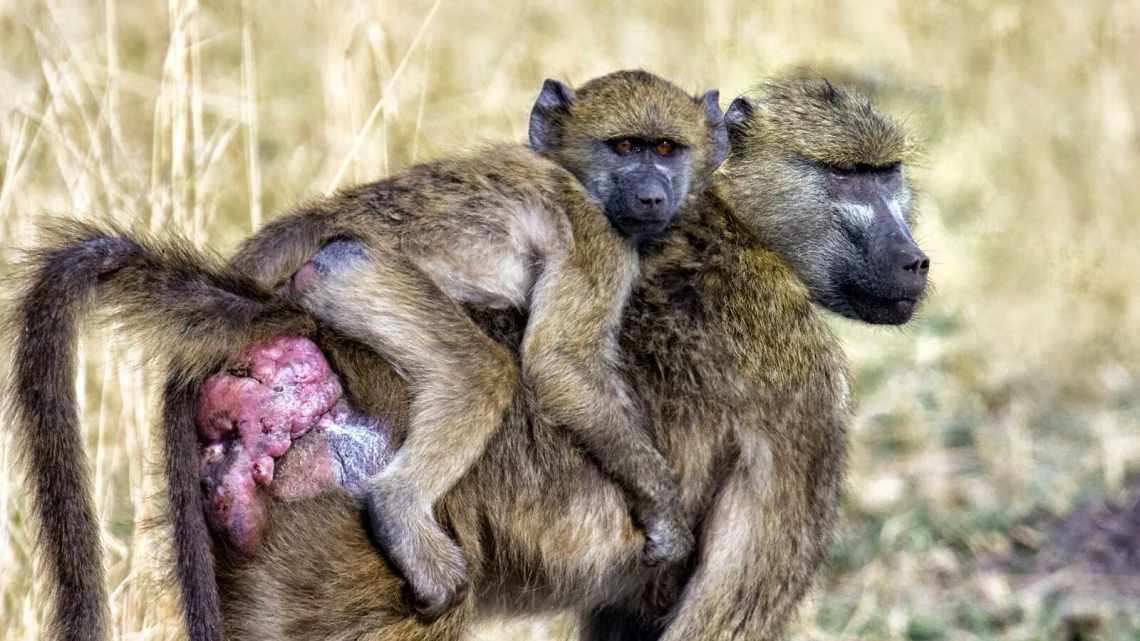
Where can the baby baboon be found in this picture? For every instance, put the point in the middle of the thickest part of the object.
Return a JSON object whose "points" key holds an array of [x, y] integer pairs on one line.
{"points": [[392, 262], [389, 264], [745, 392]]}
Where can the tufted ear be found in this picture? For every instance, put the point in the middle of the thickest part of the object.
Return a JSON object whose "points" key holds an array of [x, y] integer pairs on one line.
{"points": [[739, 112], [716, 123], [552, 105], [738, 115]]}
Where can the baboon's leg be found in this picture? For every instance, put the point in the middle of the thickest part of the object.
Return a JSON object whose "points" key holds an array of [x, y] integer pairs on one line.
{"points": [[317, 577], [461, 384], [570, 358]]}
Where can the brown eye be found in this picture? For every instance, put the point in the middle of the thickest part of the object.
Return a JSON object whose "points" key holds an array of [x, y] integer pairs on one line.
{"points": [[623, 147], [664, 148]]}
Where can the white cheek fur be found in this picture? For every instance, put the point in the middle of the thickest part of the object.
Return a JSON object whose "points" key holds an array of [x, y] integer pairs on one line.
{"points": [[857, 213]]}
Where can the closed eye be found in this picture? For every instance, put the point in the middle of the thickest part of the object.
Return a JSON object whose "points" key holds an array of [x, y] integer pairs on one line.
{"points": [[856, 169]]}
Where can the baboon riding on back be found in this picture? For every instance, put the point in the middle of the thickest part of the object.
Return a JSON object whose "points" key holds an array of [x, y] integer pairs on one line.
{"points": [[743, 390], [553, 229], [745, 393]]}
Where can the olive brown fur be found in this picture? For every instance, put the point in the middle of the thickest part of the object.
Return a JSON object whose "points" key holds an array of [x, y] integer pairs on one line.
{"points": [[507, 228], [165, 290], [743, 389], [143, 283], [745, 393]]}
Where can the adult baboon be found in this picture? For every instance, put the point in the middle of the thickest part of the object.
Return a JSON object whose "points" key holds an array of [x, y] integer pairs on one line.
{"points": [[743, 385], [746, 395]]}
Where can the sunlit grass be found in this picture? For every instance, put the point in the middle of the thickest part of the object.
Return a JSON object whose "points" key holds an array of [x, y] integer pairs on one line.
{"points": [[1016, 395]]}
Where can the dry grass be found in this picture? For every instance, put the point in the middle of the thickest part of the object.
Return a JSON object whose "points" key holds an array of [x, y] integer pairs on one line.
{"points": [[1016, 396]]}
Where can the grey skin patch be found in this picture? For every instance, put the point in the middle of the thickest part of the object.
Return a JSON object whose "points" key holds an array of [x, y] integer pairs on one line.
{"points": [[883, 277], [278, 425], [337, 253], [344, 450]]}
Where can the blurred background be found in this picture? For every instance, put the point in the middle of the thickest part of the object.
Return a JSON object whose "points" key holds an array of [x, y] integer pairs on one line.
{"points": [[992, 490]]}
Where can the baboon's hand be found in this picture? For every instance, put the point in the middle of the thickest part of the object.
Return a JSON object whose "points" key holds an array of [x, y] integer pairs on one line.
{"points": [[667, 539]]}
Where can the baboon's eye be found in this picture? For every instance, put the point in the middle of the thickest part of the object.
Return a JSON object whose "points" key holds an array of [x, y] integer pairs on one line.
{"points": [[845, 170], [664, 148], [623, 146]]}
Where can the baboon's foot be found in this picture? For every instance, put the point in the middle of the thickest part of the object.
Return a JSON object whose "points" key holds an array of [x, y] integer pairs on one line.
{"points": [[667, 539], [428, 559], [280, 397]]}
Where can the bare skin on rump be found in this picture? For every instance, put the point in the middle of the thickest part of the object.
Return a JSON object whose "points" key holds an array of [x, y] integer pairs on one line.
{"points": [[282, 397]]}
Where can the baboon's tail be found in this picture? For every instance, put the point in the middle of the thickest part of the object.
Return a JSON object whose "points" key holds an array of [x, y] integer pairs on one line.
{"points": [[185, 308]]}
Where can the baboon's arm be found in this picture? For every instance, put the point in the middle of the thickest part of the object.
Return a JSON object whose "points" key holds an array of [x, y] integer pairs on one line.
{"points": [[570, 357]]}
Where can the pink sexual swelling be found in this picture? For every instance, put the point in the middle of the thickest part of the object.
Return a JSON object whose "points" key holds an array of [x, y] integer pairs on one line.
{"points": [[247, 420], [280, 428]]}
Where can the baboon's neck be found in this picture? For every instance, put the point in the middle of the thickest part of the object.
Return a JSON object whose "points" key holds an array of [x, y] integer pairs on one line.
{"points": [[743, 316]]}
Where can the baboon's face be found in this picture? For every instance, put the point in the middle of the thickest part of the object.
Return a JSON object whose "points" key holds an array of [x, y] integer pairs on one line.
{"points": [[819, 176], [639, 144], [641, 183], [875, 272]]}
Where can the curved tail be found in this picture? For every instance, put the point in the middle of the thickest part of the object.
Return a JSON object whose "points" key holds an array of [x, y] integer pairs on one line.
{"points": [[184, 306]]}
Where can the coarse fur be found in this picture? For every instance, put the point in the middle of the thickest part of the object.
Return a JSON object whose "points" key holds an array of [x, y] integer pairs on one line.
{"points": [[744, 390], [746, 395], [809, 144], [143, 283], [507, 228], [532, 208], [751, 431]]}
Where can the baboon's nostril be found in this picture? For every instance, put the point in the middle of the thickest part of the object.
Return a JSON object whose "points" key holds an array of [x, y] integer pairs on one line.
{"points": [[651, 196], [915, 263]]}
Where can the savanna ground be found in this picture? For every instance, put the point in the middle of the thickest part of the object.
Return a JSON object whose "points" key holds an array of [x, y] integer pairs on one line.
{"points": [[995, 448]]}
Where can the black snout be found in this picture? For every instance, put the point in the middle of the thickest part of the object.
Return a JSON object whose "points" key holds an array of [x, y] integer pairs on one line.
{"points": [[910, 269], [895, 284], [884, 278], [887, 283], [648, 200], [643, 205]]}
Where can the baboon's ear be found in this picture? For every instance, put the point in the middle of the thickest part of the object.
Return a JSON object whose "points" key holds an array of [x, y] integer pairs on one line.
{"points": [[738, 115], [717, 126], [739, 112], [552, 105]]}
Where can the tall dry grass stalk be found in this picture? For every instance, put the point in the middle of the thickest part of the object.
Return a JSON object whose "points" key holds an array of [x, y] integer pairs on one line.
{"points": [[1018, 391]]}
